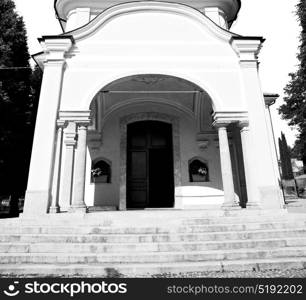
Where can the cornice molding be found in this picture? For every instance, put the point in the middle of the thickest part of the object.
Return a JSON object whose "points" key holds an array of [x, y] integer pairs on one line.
{"points": [[247, 48], [63, 7], [175, 8], [230, 117], [55, 47], [270, 99], [78, 117]]}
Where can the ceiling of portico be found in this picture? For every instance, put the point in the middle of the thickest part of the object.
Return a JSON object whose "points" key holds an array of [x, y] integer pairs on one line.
{"points": [[152, 88], [166, 90], [151, 82]]}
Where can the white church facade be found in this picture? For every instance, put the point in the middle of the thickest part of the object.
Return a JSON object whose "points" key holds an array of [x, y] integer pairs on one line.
{"points": [[151, 105]]}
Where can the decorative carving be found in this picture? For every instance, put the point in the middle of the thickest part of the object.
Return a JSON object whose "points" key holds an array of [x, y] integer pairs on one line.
{"points": [[149, 79], [94, 139], [93, 114], [203, 144]]}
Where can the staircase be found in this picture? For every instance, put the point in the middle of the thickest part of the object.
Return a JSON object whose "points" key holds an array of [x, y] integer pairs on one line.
{"points": [[151, 243]]}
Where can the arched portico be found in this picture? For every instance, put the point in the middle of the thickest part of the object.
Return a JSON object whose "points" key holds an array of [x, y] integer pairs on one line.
{"points": [[197, 112], [220, 65], [195, 81]]}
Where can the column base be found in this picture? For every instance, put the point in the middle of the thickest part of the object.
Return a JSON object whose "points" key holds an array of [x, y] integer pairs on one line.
{"points": [[54, 210], [253, 205], [36, 203], [230, 206], [78, 209]]}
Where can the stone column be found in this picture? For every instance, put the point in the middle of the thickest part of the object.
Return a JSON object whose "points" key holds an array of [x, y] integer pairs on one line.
{"points": [[253, 197], [78, 204], [54, 208], [39, 188], [263, 164], [66, 183], [226, 167]]}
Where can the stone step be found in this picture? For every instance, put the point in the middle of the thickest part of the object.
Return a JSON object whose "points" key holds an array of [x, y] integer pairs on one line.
{"points": [[246, 220], [48, 229], [148, 247], [153, 238], [176, 269], [151, 257], [146, 243], [157, 218]]}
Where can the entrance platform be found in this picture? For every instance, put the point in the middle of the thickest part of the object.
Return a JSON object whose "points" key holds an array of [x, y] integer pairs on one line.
{"points": [[154, 243]]}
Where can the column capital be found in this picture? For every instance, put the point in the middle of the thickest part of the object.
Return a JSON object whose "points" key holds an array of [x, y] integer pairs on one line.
{"points": [[61, 123], [243, 124], [225, 118], [247, 49], [70, 139], [55, 47], [221, 123], [54, 64], [80, 118], [83, 124]]}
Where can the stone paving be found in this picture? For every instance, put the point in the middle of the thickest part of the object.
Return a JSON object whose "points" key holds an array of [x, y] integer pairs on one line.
{"points": [[248, 274], [296, 205]]}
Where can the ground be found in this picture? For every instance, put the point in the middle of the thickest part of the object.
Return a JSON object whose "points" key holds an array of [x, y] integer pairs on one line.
{"points": [[296, 205], [248, 274]]}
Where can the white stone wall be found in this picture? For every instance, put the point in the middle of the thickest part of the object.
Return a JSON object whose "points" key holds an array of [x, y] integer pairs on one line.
{"points": [[155, 38], [189, 49]]}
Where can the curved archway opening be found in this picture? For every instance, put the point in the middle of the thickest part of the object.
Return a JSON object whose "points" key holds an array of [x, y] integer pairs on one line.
{"points": [[153, 99], [178, 93]]}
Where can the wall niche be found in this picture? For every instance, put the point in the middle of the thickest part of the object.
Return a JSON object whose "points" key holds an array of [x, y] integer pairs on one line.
{"points": [[198, 170]]}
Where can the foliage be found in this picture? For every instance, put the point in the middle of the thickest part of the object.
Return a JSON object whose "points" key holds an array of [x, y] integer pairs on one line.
{"points": [[297, 150], [285, 158], [294, 108], [97, 172], [18, 101]]}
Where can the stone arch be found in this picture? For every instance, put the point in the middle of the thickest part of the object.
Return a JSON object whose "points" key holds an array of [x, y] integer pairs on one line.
{"points": [[105, 161], [157, 101], [198, 161], [190, 78]]}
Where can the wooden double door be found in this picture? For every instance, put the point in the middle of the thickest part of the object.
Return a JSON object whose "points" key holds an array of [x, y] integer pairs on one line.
{"points": [[150, 176]]}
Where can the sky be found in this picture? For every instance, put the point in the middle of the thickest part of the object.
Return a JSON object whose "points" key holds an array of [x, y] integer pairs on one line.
{"points": [[275, 20]]}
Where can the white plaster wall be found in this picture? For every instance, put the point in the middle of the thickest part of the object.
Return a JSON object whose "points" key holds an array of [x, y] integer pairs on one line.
{"points": [[174, 45], [171, 44], [105, 194]]}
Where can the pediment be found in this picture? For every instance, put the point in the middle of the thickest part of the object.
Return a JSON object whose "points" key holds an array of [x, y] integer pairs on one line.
{"points": [[64, 7], [171, 11]]}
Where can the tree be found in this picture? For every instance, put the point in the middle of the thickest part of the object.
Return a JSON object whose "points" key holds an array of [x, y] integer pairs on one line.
{"points": [[294, 108], [18, 102], [287, 172]]}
